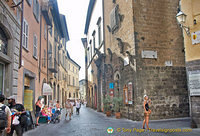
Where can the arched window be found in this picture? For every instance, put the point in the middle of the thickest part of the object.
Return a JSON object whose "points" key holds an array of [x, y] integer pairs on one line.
{"points": [[3, 42]]}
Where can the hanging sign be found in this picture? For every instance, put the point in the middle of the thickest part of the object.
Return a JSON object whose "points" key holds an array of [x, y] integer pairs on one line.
{"points": [[111, 85]]}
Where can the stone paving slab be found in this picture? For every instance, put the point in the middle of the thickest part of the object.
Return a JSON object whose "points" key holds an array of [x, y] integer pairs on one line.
{"points": [[92, 123]]}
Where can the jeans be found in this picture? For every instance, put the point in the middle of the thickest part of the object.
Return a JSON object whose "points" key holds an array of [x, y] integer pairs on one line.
{"points": [[17, 128], [77, 110]]}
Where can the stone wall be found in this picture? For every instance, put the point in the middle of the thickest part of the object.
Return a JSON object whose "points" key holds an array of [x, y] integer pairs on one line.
{"points": [[152, 26], [167, 88], [194, 100], [11, 27]]}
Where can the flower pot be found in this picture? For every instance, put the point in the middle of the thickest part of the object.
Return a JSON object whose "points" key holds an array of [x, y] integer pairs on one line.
{"points": [[108, 113], [118, 115]]}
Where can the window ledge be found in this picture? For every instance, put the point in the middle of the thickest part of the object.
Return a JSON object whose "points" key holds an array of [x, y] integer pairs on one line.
{"points": [[26, 49], [35, 57]]}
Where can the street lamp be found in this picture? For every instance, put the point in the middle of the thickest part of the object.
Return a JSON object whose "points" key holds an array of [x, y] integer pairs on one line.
{"points": [[181, 19]]}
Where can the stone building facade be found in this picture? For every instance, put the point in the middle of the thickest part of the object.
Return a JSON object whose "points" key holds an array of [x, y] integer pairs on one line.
{"points": [[191, 42], [145, 55], [9, 47], [94, 50], [73, 79]]}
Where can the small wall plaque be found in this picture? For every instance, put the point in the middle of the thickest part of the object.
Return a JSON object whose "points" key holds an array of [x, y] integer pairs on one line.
{"points": [[146, 54]]}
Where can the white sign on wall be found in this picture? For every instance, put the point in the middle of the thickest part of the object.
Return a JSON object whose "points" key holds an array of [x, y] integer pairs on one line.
{"points": [[126, 61], [195, 36], [149, 54], [194, 83]]}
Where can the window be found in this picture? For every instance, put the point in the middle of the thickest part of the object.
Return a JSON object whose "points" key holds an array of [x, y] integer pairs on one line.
{"points": [[93, 42], [25, 35], [73, 82], [88, 55], [69, 66], [63, 58], [73, 69], [36, 9], [35, 46], [44, 58], [99, 30], [114, 19], [69, 79], [50, 31], [45, 31], [50, 56], [29, 2], [18, 15], [3, 42]]}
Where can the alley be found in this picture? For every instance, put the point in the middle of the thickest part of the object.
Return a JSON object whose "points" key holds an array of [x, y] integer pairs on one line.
{"points": [[92, 123]]}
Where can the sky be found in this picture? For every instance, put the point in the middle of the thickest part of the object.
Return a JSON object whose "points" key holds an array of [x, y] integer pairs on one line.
{"points": [[75, 12]]}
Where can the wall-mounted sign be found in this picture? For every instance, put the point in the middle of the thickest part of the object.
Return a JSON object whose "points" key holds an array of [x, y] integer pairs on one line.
{"points": [[168, 63], [126, 61], [195, 36], [125, 93], [149, 54], [194, 83], [130, 93], [111, 85]]}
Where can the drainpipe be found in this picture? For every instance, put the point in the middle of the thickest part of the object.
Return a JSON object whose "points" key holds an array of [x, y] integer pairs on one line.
{"points": [[40, 45], [21, 33], [47, 54]]}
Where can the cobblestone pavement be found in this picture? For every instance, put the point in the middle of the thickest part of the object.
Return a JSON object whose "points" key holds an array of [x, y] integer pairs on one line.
{"points": [[92, 123]]}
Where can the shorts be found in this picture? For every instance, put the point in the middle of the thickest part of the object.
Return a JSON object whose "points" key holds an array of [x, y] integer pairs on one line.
{"points": [[68, 111], [37, 114]]}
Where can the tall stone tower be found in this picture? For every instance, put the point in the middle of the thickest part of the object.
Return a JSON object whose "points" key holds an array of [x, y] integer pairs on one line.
{"points": [[145, 53]]}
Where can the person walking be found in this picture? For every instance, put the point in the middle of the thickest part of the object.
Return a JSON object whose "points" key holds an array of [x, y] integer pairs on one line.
{"points": [[5, 117], [17, 110], [38, 109], [68, 107], [147, 111], [78, 106]]}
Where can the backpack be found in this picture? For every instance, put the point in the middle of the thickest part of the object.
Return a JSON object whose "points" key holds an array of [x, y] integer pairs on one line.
{"points": [[3, 118]]}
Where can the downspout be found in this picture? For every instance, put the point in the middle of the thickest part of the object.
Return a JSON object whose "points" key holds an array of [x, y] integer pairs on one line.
{"points": [[40, 46], [103, 76], [21, 33], [47, 54]]}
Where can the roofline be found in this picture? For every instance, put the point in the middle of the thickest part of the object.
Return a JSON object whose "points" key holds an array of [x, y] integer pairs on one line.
{"points": [[89, 13], [84, 40], [73, 60], [65, 25]]}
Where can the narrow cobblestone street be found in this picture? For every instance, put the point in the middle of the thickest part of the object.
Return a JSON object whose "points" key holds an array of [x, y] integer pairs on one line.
{"points": [[92, 123]]}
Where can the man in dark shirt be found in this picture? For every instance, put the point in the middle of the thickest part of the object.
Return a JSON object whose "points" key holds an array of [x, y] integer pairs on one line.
{"points": [[17, 110]]}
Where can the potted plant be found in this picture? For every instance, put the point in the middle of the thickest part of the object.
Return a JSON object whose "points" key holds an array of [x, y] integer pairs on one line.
{"points": [[117, 102], [107, 108]]}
